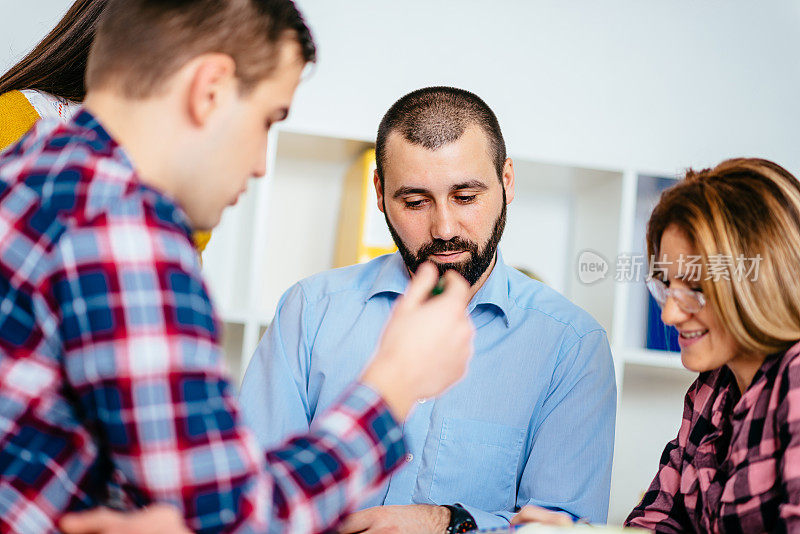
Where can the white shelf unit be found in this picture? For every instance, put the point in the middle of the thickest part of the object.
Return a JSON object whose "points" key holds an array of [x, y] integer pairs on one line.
{"points": [[650, 358], [651, 383], [284, 229]]}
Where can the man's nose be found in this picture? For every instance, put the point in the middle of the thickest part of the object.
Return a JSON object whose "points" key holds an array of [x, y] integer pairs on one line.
{"points": [[443, 225]]}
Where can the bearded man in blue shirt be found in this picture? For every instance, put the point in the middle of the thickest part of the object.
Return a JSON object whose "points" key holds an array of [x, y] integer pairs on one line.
{"points": [[532, 423]]}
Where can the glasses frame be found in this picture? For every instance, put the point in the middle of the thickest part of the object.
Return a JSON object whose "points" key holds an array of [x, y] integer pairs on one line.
{"points": [[683, 297]]}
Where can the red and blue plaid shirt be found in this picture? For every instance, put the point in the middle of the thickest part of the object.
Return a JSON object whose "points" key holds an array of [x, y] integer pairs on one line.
{"points": [[112, 388], [735, 465]]}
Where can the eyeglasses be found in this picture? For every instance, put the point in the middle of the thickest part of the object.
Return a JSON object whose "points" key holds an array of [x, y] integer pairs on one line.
{"points": [[687, 300]]}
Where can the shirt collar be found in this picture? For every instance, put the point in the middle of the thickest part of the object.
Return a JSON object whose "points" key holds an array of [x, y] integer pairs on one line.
{"points": [[85, 120], [494, 292], [764, 374], [393, 278], [722, 394]]}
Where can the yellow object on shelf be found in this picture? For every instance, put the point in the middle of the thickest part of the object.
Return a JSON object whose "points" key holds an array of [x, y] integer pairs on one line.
{"points": [[362, 233], [201, 239]]}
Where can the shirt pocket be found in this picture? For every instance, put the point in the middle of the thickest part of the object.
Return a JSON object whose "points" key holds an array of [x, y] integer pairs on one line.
{"points": [[751, 496], [755, 478], [476, 464]]}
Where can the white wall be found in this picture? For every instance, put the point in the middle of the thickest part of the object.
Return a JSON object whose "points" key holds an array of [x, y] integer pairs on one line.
{"points": [[622, 83], [615, 83], [23, 24]]}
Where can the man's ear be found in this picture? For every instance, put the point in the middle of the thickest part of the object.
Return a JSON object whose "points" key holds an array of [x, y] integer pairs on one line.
{"points": [[212, 80], [508, 180], [376, 180]]}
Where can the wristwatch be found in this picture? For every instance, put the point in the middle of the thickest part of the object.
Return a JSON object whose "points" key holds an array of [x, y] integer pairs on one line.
{"points": [[460, 519]]}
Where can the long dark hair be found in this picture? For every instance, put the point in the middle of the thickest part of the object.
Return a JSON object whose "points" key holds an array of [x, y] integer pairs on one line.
{"points": [[58, 63]]}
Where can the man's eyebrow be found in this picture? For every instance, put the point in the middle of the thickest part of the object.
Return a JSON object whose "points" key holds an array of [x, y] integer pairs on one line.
{"points": [[406, 190], [469, 184]]}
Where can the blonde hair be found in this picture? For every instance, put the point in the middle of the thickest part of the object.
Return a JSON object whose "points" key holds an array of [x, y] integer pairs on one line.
{"points": [[743, 208]]}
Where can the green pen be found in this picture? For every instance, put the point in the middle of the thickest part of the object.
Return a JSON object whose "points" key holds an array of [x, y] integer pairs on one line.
{"points": [[438, 289]]}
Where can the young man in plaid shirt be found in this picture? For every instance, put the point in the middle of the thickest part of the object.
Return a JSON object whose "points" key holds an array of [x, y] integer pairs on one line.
{"points": [[111, 383]]}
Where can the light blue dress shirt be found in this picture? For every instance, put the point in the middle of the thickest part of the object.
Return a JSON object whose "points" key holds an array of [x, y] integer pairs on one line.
{"points": [[531, 423]]}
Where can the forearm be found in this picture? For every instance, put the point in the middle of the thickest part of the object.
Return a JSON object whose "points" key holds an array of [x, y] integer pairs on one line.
{"points": [[183, 442], [350, 451], [655, 521], [661, 508]]}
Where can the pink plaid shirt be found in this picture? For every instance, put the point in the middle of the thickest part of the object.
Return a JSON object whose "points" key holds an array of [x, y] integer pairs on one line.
{"points": [[735, 465]]}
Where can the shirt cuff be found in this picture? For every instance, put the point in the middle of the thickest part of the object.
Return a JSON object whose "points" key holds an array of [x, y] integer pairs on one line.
{"points": [[486, 520], [367, 430]]}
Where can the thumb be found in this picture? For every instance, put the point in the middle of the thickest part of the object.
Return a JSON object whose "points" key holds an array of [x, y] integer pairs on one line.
{"points": [[89, 522]]}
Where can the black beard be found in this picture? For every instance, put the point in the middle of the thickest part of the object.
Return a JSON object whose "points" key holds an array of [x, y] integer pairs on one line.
{"points": [[472, 268]]}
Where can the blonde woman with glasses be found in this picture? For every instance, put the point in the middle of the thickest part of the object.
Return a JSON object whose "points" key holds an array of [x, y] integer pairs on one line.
{"points": [[725, 255]]}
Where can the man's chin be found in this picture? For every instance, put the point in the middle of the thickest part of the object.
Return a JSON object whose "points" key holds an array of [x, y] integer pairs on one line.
{"points": [[204, 224], [446, 266], [459, 267]]}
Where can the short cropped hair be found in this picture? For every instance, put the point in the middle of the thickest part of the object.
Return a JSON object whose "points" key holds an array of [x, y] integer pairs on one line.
{"points": [[436, 116], [142, 43]]}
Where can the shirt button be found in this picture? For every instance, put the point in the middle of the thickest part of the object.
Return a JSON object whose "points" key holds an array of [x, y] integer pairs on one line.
{"points": [[422, 401], [409, 457]]}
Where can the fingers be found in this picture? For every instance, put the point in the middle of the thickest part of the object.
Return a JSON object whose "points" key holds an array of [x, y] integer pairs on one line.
{"points": [[421, 285], [97, 520], [157, 519], [535, 514], [456, 288], [163, 518], [528, 514]]}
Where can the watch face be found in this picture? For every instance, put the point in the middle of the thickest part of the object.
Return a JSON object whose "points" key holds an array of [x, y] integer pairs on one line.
{"points": [[460, 520]]}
